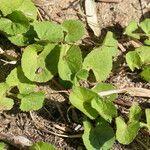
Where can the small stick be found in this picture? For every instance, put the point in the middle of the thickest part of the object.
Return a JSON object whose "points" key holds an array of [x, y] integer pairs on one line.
{"points": [[133, 91]]}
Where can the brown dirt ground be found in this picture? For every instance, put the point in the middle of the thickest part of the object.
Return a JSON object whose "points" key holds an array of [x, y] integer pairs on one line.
{"points": [[56, 116]]}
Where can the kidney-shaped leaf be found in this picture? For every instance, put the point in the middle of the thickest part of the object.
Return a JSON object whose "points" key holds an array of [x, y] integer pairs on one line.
{"points": [[126, 133], [144, 53], [105, 108], [42, 65], [133, 60], [75, 30], [29, 9], [31, 101], [100, 137], [6, 103], [81, 97], [100, 62], [8, 6], [17, 78], [131, 28], [15, 23], [145, 26], [49, 31]]}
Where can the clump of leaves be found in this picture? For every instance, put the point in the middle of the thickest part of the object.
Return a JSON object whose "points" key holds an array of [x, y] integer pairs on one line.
{"points": [[50, 50], [140, 57]]}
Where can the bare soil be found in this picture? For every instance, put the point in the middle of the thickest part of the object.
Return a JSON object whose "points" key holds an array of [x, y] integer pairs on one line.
{"points": [[57, 122]]}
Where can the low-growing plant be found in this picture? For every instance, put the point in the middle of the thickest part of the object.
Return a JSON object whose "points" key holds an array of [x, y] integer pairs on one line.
{"points": [[140, 57], [51, 49]]}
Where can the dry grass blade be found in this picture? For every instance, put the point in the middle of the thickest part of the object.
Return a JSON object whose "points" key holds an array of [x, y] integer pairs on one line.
{"points": [[91, 15], [133, 91]]}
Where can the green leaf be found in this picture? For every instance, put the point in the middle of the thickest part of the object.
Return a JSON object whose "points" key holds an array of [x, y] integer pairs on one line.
{"points": [[29, 9], [135, 113], [43, 64], [147, 41], [2, 146], [100, 62], [81, 97], [80, 75], [100, 137], [101, 87], [133, 60], [49, 31], [75, 30], [32, 101], [23, 39], [129, 30], [17, 78], [144, 53], [70, 62], [100, 59], [3, 88], [111, 43], [126, 133], [104, 107], [145, 26], [145, 74], [15, 23], [6, 103], [147, 112], [42, 146], [8, 6]]}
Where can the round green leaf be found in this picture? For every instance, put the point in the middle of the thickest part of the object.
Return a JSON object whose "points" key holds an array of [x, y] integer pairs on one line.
{"points": [[8, 6], [49, 31], [15, 23], [75, 30], [105, 108], [145, 26], [100, 137], [32, 101], [29, 9], [144, 53], [6, 103], [133, 60], [81, 98], [129, 30], [126, 133], [39, 63], [17, 78]]}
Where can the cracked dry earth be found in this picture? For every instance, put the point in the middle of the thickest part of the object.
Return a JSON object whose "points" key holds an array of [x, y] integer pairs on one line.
{"points": [[56, 116]]}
